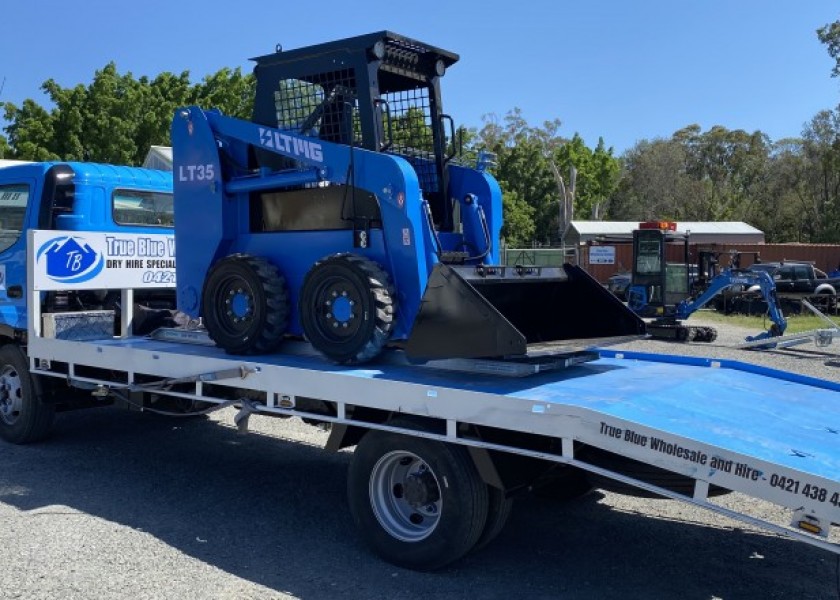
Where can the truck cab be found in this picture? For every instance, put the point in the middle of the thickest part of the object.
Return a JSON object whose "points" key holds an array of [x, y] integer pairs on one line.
{"points": [[70, 196]]}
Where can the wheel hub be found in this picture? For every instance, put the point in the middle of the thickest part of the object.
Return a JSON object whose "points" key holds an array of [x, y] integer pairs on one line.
{"points": [[240, 304], [420, 489], [11, 396], [338, 316], [342, 308], [405, 496]]}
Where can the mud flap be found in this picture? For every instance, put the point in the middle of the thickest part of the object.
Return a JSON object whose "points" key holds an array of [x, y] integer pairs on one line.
{"points": [[482, 312]]}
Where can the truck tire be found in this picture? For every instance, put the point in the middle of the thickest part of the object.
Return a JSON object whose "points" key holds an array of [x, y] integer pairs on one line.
{"points": [[418, 503], [24, 417], [245, 305], [347, 308], [498, 511], [825, 300]]}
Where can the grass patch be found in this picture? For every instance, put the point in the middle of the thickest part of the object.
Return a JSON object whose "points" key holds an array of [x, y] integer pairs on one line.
{"points": [[796, 323]]}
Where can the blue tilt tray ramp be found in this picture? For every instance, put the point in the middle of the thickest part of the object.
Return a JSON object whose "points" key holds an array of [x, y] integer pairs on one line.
{"points": [[765, 433]]}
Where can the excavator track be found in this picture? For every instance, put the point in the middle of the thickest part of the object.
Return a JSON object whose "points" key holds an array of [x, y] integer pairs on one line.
{"points": [[680, 332]]}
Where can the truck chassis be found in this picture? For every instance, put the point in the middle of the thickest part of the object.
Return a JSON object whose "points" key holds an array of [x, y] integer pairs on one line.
{"points": [[429, 440]]}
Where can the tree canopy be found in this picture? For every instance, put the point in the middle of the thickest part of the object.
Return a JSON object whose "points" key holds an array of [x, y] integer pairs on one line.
{"points": [[531, 195], [117, 117]]}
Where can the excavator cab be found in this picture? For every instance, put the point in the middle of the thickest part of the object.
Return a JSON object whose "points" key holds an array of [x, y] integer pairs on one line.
{"points": [[659, 283]]}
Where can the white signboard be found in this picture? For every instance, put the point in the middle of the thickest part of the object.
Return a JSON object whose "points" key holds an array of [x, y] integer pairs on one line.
{"points": [[87, 260], [602, 255]]}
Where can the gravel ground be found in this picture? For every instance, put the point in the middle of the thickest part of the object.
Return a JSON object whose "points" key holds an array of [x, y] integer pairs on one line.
{"points": [[127, 505]]}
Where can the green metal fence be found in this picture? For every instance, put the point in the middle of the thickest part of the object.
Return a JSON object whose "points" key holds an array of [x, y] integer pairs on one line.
{"points": [[538, 257]]}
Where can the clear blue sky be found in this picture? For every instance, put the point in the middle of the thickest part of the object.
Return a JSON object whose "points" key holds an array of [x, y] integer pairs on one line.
{"points": [[624, 70]]}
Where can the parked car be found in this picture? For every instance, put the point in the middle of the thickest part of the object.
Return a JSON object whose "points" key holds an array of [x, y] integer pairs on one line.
{"points": [[794, 281], [802, 280]]}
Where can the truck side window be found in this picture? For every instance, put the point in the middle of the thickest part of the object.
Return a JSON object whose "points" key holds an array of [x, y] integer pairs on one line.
{"points": [[13, 199], [801, 272], [134, 207]]}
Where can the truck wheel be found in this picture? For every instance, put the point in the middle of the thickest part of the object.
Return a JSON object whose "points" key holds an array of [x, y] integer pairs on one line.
{"points": [[347, 308], [825, 301], [245, 304], [418, 503], [498, 511], [24, 417]]}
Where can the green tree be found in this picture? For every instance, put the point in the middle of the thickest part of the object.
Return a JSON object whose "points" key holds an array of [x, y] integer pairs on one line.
{"points": [[727, 163], [654, 183], [830, 36], [695, 175], [525, 155], [116, 118], [519, 228], [775, 205], [820, 198], [30, 131]]}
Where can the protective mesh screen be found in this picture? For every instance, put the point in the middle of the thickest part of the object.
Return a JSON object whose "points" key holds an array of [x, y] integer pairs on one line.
{"points": [[324, 106], [410, 132]]}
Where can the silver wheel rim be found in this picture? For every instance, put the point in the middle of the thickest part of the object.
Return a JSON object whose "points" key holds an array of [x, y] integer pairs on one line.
{"points": [[11, 395], [405, 496]]}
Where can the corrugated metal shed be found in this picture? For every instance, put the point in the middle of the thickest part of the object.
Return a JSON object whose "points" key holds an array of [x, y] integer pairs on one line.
{"points": [[159, 157], [701, 232]]}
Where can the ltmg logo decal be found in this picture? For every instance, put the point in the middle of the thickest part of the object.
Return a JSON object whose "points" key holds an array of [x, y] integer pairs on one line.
{"points": [[70, 259]]}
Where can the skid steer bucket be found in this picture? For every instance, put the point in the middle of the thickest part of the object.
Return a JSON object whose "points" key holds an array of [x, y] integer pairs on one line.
{"points": [[483, 312]]}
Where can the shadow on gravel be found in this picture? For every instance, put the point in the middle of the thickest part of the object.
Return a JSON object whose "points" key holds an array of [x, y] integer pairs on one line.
{"points": [[274, 512]]}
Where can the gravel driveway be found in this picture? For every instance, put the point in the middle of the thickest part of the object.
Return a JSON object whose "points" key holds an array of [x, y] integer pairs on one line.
{"points": [[128, 505]]}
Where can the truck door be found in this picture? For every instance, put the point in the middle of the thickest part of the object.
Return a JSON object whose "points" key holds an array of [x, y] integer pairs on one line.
{"points": [[14, 202], [27, 200], [784, 279], [802, 279]]}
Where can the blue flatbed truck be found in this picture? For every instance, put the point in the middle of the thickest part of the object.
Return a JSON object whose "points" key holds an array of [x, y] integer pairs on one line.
{"points": [[440, 453]]}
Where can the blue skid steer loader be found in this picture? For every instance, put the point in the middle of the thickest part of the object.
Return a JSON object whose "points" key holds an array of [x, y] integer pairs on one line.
{"points": [[342, 213]]}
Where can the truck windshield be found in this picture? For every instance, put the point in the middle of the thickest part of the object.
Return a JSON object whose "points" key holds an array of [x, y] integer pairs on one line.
{"points": [[13, 199], [135, 207]]}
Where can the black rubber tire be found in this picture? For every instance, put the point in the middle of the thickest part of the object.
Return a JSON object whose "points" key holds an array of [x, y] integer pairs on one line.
{"points": [[498, 511], [24, 416], [824, 301], [262, 288], [463, 501], [360, 336]]}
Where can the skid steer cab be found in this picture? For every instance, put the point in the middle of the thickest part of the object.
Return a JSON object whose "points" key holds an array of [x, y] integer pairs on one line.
{"points": [[343, 213]]}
